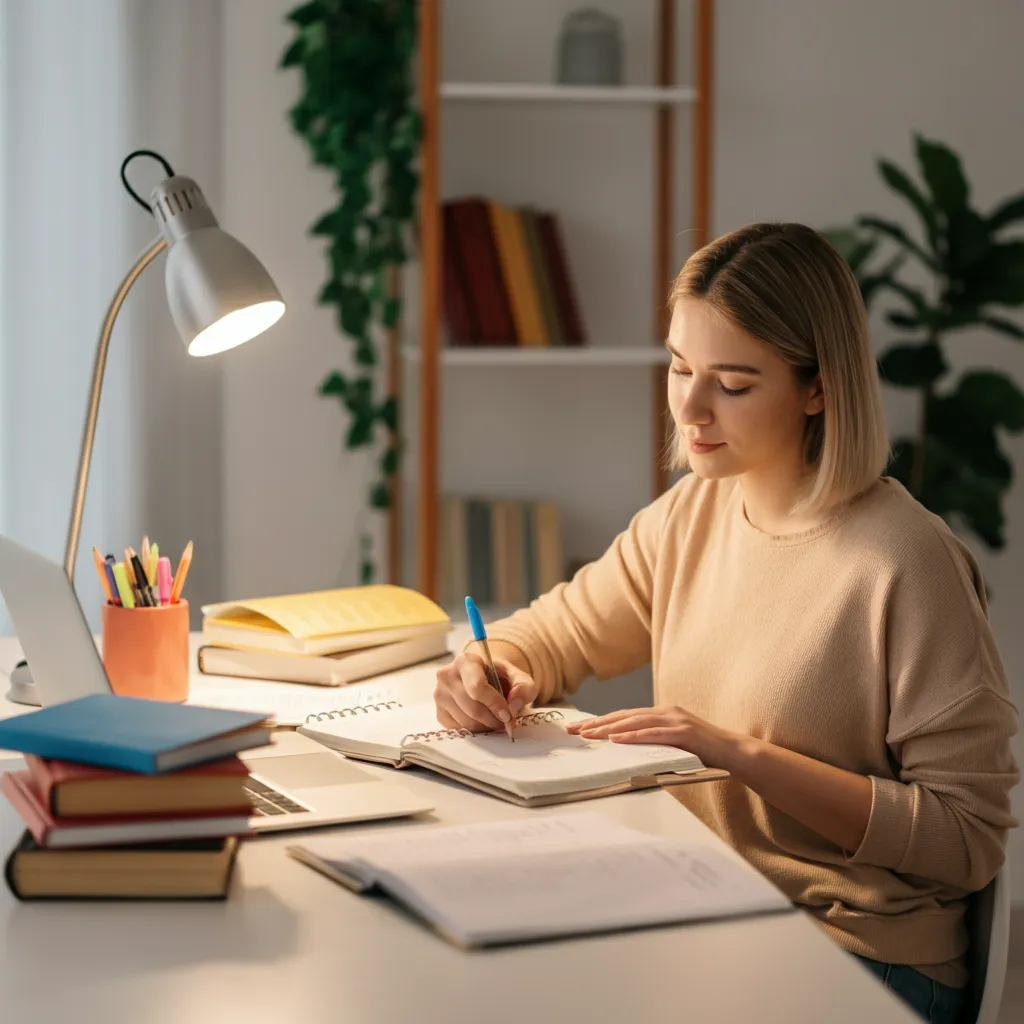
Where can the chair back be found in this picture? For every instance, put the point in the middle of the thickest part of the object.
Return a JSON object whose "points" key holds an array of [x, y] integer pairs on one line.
{"points": [[988, 924]]}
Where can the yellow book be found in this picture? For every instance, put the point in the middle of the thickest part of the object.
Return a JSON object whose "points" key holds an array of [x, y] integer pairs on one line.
{"points": [[323, 621], [513, 256]]}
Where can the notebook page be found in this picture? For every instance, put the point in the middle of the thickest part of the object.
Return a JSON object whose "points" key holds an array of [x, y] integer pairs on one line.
{"points": [[553, 834], [377, 734], [596, 887], [545, 759], [291, 703]]}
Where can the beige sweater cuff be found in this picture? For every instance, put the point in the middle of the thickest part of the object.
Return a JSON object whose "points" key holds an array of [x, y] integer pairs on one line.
{"points": [[887, 836]]}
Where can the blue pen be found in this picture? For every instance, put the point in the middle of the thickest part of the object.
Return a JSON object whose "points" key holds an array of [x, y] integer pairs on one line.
{"points": [[480, 635], [108, 566]]}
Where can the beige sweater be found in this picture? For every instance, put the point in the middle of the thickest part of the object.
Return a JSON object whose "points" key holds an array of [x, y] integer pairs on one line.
{"points": [[864, 643]]}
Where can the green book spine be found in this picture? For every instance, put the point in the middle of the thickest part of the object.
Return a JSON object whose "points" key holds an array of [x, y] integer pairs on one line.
{"points": [[481, 568], [529, 552]]}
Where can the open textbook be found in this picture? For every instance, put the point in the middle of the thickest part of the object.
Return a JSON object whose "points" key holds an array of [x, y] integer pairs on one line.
{"points": [[541, 878], [545, 764]]}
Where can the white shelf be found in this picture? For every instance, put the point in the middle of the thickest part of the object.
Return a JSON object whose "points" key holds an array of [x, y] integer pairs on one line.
{"points": [[584, 355], [639, 95]]}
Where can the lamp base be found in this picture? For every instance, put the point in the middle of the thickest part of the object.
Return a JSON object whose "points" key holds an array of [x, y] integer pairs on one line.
{"points": [[23, 690]]}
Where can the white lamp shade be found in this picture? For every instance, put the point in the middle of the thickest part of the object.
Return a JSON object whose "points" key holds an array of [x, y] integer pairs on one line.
{"points": [[219, 294]]}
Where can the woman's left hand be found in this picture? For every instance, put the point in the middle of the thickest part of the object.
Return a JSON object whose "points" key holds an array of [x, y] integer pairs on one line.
{"points": [[669, 725]]}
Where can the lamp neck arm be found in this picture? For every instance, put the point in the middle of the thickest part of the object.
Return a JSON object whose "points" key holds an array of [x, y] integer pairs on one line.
{"points": [[92, 410]]}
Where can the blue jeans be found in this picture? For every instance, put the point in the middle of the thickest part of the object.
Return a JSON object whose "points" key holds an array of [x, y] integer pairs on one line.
{"points": [[932, 1001]]}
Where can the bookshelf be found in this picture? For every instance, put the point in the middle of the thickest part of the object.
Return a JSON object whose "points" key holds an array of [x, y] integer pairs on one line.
{"points": [[434, 362]]}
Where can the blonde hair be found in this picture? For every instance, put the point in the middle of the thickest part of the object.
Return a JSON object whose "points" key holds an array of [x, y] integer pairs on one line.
{"points": [[785, 285]]}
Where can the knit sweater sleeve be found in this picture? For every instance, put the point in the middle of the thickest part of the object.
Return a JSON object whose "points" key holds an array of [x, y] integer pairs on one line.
{"points": [[599, 623], [945, 812]]}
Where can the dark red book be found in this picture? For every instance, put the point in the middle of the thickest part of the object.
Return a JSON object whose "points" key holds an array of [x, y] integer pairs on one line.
{"points": [[561, 279], [478, 251], [459, 312], [54, 832], [83, 791]]}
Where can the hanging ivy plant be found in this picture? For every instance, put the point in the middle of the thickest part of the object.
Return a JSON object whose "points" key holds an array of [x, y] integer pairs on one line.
{"points": [[357, 115]]}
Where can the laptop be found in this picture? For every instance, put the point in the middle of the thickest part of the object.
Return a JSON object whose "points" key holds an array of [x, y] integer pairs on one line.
{"points": [[293, 783]]}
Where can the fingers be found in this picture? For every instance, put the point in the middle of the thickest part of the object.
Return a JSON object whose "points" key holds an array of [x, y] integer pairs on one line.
{"points": [[465, 697], [629, 722], [451, 716], [610, 719], [662, 736], [523, 691]]}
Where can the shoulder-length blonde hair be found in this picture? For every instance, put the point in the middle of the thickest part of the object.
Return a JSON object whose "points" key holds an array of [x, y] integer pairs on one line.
{"points": [[785, 285]]}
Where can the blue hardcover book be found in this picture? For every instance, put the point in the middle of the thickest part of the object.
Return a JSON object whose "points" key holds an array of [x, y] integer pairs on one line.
{"points": [[134, 735]]}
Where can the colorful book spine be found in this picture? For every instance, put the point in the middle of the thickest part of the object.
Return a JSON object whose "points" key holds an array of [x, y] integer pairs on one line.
{"points": [[507, 550]]}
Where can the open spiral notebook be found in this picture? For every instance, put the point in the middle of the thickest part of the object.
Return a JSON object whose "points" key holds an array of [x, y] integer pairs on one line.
{"points": [[545, 764]]}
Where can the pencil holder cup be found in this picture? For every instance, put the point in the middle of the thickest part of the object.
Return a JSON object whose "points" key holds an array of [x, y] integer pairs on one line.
{"points": [[145, 651]]}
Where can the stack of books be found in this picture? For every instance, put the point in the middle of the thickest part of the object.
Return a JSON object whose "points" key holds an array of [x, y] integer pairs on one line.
{"points": [[506, 277], [128, 799], [327, 638]]}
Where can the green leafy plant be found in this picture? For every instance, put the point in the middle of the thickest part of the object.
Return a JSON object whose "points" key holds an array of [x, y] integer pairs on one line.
{"points": [[356, 113], [954, 463]]}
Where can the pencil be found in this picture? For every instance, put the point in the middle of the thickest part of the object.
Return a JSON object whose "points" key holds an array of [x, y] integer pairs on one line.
{"points": [[145, 550], [101, 571], [181, 573]]}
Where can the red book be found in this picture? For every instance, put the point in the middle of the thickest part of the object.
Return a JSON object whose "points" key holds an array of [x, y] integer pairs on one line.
{"points": [[479, 254], [83, 791], [561, 279], [463, 323], [77, 832]]}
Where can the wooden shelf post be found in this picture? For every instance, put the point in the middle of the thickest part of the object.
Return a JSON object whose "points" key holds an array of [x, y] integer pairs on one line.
{"points": [[430, 300]]}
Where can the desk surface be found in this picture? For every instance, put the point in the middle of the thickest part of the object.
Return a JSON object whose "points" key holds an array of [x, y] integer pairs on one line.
{"points": [[290, 945]]}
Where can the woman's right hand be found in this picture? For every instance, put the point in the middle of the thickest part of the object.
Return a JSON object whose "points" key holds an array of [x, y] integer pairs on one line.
{"points": [[465, 700]]}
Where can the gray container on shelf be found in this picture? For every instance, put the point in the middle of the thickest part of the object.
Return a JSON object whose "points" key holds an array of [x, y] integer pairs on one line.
{"points": [[590, 49]]}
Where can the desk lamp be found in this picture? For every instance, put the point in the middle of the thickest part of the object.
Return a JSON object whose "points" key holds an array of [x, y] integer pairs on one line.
{"points": [[219, 295]]}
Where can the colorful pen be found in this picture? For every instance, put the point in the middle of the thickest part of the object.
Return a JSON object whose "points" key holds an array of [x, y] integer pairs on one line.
{"points": [[181, 574], [151, 563], [101, 571], [123, 586], [148, 600], [480, 635], [163, 580], [108, 565]]}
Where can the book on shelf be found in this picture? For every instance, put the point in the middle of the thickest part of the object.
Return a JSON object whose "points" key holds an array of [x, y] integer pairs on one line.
{"points": [[506, 276], [493, 883], [324, 622], [545, 765], [502, 551], [337, 669], [185, 869]]}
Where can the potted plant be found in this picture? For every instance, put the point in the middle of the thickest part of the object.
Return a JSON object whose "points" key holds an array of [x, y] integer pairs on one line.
{"points": [[357, 114], [954, 463]]}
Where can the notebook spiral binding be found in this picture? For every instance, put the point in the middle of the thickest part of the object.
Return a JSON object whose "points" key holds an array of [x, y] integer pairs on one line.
{"points": [[534, 718], [355, 709]]}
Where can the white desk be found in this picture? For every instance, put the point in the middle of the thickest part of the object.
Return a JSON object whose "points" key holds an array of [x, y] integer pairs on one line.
{"points": [[290, 945]]}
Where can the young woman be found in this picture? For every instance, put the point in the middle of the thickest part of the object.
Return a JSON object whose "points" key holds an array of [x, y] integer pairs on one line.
{"points": [[812, 628]]}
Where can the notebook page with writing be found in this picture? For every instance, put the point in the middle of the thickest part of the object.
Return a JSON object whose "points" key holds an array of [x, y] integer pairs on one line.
{"points": [[544, 760], [568, 875]]}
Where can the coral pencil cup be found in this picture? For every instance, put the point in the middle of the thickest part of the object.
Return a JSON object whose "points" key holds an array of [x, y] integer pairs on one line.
{"points": [[163, 580]]}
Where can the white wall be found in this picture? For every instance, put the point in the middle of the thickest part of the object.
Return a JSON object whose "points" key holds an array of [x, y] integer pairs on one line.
{"points": [[808, 95]]}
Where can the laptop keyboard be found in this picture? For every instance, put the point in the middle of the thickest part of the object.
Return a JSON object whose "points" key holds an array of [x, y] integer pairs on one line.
{"points": [[267, 801]]}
